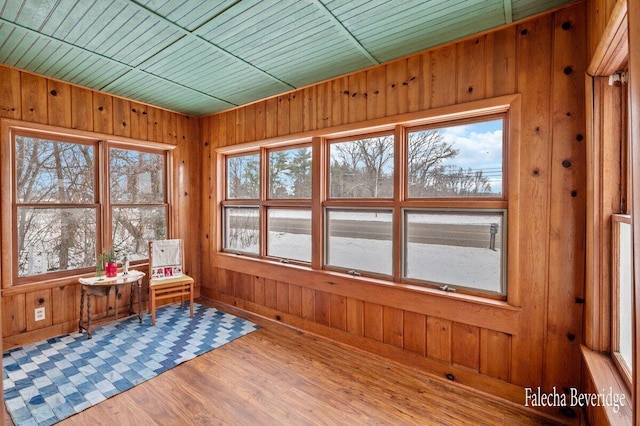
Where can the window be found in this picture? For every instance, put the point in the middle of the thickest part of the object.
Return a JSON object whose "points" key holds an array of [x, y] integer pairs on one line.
{"points": [[57, 204], [421, 204], [286, 204], [622, 294], [137, 193]]}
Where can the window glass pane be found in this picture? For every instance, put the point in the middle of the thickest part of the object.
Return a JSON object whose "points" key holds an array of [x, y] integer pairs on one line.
{"points": [[360, 240], [289, 234], [55, 239], [53, 172], [134, 227], [290, 173], [456, 161], [362, 168], [625, 296], [464, 249], [242, 229], [243, 177], [136, 176]]}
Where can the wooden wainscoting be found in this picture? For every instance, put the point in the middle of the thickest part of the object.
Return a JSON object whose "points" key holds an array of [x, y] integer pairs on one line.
{"points": [[277, 375]]}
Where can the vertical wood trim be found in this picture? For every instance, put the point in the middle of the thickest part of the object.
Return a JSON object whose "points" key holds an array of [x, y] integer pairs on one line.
{"points": [[471, 79], [376, 92], [373, 327], [415, 332], [501, 62], [138, 119], [296, 111], [443, 78], [393, 326], [81, 108], [465, 345]]}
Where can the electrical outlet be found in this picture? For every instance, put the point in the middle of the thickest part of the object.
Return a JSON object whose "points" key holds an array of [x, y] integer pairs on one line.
{"points": [[40, 314]]}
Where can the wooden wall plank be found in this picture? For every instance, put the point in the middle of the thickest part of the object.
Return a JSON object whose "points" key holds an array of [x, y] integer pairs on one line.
{"points": [[261, 120], [439, 338], [14, 321], [102, 113], [139, 121], [240, 125], [495, 354], [357, 100], [471, 78], [65, 303], [340, 101], [154, 124], [121, 117], [282, 297], [355, 316], [308, 300], [309, 120], [284, 114], [10, 94], [393, 326], [34, 98], [338, 312], [415, 332], [465, 345], [323, 105], [376, 92], [295, 300], [568, 202], [533, 47], [501, 62], [414, 83], [443, 79], [259, 288], [169, 127], [323, 308], [272, 117], [271, 293], [250, 123], [81, 108], [58, 103], [296, 111], [373, 314], [397, 85]]}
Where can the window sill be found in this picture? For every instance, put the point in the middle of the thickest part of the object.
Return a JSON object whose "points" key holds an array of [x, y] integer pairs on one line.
{"points": [[606, 379]]}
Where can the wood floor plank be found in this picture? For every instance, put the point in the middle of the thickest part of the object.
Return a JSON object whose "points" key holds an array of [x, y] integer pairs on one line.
{"points": [[280, 376]]}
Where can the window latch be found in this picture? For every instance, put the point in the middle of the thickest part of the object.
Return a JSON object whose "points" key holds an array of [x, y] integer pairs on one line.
{"points": [[237, 253], [447, 288], [283, 260], [354, 273]]}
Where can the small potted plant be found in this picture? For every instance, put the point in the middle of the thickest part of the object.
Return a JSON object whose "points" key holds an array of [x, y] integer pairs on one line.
{"points": [[109, 258]]}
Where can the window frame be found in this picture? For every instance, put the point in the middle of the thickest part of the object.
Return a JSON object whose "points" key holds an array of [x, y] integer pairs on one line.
{"points": [[101, 143]]}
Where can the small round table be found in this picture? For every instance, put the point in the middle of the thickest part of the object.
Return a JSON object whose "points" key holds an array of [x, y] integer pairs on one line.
{"points": [[102, 286]]}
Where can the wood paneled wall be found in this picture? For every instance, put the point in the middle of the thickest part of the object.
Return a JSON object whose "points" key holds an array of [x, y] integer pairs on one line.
{"points": [[484, 344], [36, 99]]}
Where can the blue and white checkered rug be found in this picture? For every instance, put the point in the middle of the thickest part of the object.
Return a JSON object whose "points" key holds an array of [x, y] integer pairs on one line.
{"points": [[54, 379]]}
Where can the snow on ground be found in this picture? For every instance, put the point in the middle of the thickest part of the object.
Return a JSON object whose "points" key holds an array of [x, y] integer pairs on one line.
{"points": [[460, 266]]}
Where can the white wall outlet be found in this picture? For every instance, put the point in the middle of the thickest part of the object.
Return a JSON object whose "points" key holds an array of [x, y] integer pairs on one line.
{"points": [[40, 314]]}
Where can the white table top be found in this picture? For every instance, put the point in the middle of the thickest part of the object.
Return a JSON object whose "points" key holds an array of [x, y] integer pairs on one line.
{"points": [[132, 276]]}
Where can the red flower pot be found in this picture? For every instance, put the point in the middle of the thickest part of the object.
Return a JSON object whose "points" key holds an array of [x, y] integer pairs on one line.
{"points": [[111, 269]]}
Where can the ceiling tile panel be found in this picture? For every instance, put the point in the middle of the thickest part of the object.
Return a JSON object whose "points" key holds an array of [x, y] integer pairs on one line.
{"points": [[524, 8]]}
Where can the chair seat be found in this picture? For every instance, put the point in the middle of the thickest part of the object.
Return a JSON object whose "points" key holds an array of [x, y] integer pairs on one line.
{"points": [[169, 281]]}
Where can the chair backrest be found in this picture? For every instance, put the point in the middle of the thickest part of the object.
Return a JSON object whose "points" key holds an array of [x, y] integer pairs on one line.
{"points": [[165, 258]]}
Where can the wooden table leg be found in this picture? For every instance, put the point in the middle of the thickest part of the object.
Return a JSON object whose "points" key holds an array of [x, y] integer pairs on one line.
{"points": [[140, 313], [89, 329], [83, 292]]}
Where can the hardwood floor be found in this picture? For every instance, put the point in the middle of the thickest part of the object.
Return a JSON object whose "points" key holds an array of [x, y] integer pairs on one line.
{"points": [[280, 376]]}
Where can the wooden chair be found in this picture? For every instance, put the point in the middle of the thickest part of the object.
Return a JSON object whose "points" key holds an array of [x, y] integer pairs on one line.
{"points": [[166, 279]]}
